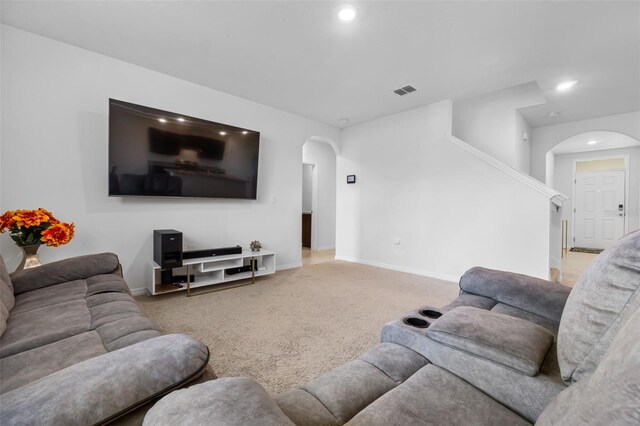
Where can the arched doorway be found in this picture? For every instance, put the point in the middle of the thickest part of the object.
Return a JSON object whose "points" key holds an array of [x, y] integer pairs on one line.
{"points": [[318, 200], [600, 172]]}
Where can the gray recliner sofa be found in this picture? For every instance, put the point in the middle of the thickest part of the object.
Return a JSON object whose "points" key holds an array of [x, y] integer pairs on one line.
{"points": [[511, 350], [75, 348]]}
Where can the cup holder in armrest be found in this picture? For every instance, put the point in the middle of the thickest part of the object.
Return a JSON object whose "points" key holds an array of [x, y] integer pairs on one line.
{"points": [[430, 313], [416, 322]]}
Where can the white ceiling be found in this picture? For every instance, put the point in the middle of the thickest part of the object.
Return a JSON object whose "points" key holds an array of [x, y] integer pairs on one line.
{"points": [[606, 140], [296, 56]]}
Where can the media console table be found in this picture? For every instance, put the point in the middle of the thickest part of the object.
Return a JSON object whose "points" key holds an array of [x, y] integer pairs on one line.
{"points": [[208, 271]]}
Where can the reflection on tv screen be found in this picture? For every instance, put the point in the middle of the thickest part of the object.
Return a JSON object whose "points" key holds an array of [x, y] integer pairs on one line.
{"points": [[159, 153]]}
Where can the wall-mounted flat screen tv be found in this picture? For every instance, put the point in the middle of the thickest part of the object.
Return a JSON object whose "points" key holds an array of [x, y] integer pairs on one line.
{"points": [[160, 153]]}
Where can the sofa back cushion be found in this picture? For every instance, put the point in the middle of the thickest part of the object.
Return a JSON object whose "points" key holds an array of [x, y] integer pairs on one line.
{"points": [[606, 294], [611, 395], [7, 300]]}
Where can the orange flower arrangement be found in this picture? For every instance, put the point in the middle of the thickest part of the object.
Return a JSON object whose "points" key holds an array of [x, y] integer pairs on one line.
{"points": [[36, 227]]}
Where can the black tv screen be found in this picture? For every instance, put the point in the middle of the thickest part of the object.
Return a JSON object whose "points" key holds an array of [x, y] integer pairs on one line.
{"points": [[160, 153]]}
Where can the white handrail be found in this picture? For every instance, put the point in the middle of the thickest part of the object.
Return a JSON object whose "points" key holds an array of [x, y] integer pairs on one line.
{"points": [[554, 196]]}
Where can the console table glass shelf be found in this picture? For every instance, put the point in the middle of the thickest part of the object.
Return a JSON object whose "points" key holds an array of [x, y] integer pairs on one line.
{"points": [[209, 271]]}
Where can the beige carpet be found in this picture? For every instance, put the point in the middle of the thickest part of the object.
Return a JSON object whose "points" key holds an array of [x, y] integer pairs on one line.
{"points": [[297, 324]]}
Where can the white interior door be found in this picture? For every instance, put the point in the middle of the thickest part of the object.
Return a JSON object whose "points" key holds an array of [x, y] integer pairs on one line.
{"points": [[599, 208]]}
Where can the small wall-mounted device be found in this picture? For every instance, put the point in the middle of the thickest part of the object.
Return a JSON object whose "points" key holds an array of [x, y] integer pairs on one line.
{"points": [[351, 178]]}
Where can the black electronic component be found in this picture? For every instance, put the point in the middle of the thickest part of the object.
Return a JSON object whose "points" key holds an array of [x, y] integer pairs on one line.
{"points": [[167, 248]]}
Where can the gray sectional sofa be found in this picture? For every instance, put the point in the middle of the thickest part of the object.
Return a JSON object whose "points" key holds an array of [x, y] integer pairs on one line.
{"points": [[510, 350], [75, 349]]}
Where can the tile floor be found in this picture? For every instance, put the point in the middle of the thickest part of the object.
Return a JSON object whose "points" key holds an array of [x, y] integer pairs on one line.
{"points": [[310, 257], [572, 266]]}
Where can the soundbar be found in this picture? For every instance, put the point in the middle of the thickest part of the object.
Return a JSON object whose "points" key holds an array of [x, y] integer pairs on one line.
{"points": [[195, 254]]}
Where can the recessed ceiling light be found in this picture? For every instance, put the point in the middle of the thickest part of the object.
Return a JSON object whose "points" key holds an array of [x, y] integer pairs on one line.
{"points": [[343, 121], [347, 13], [592, 142], [566, 85], [244, 132], [553, 114], [180, 119], [162, 120], [223, 133]]}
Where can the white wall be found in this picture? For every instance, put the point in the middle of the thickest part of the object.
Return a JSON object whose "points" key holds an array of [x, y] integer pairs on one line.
{"points": [[546, 137], [324, 210], [563, 178], [555, 236], [491, 123], [54, 146], [449, 209], [522, 144], [307, 186]]}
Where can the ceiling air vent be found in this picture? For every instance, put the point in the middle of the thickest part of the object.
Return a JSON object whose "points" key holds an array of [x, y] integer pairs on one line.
{"points": [[404, 90]]}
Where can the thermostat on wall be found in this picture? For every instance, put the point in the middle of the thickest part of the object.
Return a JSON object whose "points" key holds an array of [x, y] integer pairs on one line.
{"points": [[351, 178]]}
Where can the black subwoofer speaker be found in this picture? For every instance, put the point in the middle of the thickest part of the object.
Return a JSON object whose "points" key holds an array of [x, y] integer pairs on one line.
{"points": [[167, 248]]}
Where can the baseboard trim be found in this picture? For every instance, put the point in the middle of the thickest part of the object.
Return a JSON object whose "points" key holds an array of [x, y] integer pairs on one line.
{"points": [[288, 266], [135, 292], [321, 248], [454, 279]]}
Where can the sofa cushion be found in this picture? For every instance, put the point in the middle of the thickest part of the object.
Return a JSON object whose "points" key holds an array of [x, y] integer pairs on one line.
{"points": [[503, 309], [395, 361], [611, 395], [31, 365], [514, 343], [106, 283], [44, 325], [540, 297], [7, 300], [49, 296], [304, 409], [72, 269], [467, 299], [66, 323], [4, 274], [525, 395], [98, 390], [606, 292], [349, 388], [234, 401], [335, 397], [434, 396]]}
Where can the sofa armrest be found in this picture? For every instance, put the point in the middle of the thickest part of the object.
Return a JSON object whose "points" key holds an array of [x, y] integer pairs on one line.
{"points": [[511, 342], [232, 401], [530, 294], [74, 268], [103, 388]]}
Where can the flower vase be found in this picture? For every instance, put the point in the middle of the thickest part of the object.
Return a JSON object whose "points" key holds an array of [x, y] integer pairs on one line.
{"points": [[29, 257]]}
